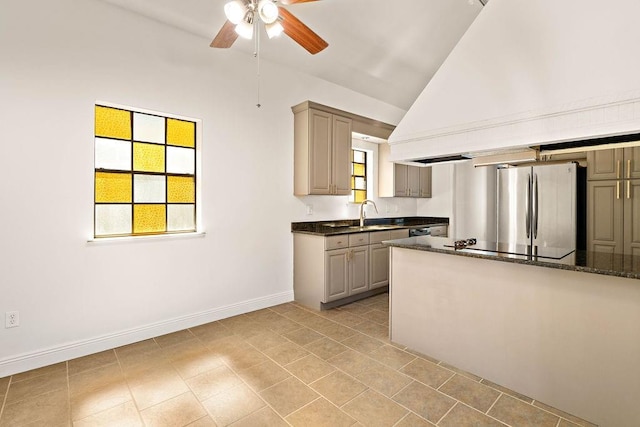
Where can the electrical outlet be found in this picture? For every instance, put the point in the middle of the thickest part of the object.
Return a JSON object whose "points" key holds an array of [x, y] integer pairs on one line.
{"points": [[309, 209], [12, 319]]}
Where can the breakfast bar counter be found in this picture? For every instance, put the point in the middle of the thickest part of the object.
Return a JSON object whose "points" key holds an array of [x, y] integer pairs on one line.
{"points": [[558, 258], [547, 328]]}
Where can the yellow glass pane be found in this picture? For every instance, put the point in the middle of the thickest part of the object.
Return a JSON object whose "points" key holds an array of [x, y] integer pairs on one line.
{"points": [[359, 196], [148, 157], [180, 132], [113, 187], [358, 169], [149, 219], [113, 123], [181, 189]]}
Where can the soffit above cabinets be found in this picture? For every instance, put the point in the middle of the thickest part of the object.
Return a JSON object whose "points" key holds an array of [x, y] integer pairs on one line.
{"points": [[530, 73]]}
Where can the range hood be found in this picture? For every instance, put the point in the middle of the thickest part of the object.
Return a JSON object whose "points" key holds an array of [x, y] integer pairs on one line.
{"points": [[534, 73]]}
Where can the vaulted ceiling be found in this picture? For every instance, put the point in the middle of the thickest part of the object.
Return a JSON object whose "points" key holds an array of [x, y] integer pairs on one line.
{"points": [[386, 49]]}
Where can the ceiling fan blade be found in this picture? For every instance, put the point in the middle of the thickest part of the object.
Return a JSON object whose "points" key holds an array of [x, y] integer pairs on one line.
{"points": [[300, 33], [288, 2], [226, 36]]}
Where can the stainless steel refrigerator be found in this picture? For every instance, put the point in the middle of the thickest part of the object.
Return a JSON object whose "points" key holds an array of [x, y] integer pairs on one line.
{"points": [[537, 206]]}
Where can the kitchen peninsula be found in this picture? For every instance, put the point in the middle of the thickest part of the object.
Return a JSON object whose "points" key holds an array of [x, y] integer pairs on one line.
{"points": [[558, 332]]}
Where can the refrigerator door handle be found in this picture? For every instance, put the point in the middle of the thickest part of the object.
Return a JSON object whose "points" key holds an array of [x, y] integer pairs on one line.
{"points": [[527, 223], [536, 209]]}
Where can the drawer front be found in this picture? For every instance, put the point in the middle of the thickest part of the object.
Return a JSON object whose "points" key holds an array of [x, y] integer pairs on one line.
{"points": [[378, 236], [440, 231], [399, 234], [358, 239], [336, 242]]}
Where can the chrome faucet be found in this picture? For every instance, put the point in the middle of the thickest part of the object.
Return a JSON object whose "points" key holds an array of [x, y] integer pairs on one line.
{"points": [[362, 215]]}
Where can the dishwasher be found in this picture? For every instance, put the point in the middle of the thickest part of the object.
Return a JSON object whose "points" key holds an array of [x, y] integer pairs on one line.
{"points": [[429, 230]]}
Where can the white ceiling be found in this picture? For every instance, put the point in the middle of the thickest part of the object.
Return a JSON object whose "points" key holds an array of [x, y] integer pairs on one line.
{"points": [[386, 49]]}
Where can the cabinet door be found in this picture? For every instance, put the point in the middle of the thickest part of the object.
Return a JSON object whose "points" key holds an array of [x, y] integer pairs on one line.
{"points": [[320, 135], [378, 265], [632, 218], [413, 180], [400, 183], [632, 162], [359, 270], [605, 216], [605, 164], [336, 265], [341, 160], [425, 182]]}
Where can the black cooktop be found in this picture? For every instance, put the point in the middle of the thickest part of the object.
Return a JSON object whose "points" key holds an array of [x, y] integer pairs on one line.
{"points": [[510, 248]]}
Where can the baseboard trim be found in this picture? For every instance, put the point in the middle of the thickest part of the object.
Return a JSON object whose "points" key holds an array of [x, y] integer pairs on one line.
{"points": [[48, 356]]}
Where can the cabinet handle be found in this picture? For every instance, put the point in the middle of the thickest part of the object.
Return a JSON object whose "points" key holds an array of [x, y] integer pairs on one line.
{"points": [[628, 168], [628, 189], [618, 190], [618, 169]]}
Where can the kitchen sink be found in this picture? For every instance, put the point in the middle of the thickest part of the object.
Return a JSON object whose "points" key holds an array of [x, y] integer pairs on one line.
{"points": [[338, 224], [348, 226]]}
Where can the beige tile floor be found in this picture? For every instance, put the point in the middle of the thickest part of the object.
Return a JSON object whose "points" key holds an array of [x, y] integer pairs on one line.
{"points": [[281, 366]]}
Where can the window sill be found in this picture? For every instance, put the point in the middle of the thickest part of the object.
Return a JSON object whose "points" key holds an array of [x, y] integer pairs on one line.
{"points": [[133, 239]]}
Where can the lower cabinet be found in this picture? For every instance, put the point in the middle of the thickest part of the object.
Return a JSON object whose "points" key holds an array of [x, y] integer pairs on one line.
{"points": [[379, 256], [346, 272], [327, 269]]}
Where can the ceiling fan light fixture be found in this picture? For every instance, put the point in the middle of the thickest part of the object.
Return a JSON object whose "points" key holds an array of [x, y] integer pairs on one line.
{"points": [[235, 11], [274, 29], [268, 11], [245, 30]]}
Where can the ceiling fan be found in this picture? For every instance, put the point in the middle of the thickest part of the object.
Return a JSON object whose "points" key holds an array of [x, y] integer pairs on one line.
{"points": [[244, 15]]}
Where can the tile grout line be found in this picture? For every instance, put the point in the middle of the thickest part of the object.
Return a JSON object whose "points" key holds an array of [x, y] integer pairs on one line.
{"points": [[447, 413], [6, 395], [257, 393], [124, 377], [446, 381], [405, 416], [68, 393], [490, 416], [557, 415], [494, 403]]}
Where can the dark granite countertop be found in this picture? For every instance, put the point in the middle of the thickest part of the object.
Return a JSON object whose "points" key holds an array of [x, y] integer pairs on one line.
{"points": [[348, 226], [584, 261]]}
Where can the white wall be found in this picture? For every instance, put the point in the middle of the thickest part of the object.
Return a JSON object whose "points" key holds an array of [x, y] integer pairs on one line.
{"points": [[59, 58], [441, 203]]}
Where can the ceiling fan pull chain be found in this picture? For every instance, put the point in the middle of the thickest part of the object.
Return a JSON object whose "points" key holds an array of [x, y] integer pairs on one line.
{"points": [[256, 54]]}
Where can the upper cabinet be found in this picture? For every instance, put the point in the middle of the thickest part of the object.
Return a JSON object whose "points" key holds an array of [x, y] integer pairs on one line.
{"points": [[322, 153], [618, 163], [613, 202], [398, 180], [322, 147]]}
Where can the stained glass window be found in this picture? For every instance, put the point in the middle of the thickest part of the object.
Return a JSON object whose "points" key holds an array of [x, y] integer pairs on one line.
{"points": [[145, 173], [358, 175]]}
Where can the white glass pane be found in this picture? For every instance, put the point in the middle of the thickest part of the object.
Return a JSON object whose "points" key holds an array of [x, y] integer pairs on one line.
{"points": [[149, 189], [112, 154], [180, 160], [358, 156], [361, 184], [148, 128], [113, 219], [181, 218]]}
